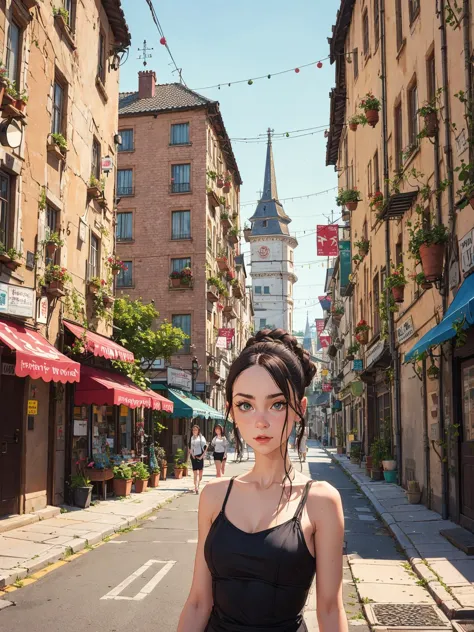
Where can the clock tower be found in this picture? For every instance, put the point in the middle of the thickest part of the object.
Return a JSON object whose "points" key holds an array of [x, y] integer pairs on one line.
{"points": [[272, 256]]}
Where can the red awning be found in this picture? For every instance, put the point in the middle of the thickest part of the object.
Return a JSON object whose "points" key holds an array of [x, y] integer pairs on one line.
{"points": [[104, 388], [36, 357], [100, 345], [159, 402]]}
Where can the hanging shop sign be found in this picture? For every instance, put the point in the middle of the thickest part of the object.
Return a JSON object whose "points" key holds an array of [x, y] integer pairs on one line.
{"points": [[42, 310], [319, 322], [327, 388], [325, 302], [228, 333], [327, 242], [345, 262], [32, 407], [357, 388], [466, 252], [17, 301], [405, 331], [325, 341], [324, 372], [107, 164], [179, 379], [358, 365], [221, 342]]}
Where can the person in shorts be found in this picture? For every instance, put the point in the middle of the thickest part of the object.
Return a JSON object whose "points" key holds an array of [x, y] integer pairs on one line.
{"points": [[220, 446], [197, 451]]}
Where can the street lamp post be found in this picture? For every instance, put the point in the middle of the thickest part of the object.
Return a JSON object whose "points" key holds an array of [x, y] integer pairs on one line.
{"points": [[195, 368]]}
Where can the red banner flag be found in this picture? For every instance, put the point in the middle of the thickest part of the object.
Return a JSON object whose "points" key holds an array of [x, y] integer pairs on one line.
{"points": [[327, 240], [319, 322], [325, 341], [327, 388]]}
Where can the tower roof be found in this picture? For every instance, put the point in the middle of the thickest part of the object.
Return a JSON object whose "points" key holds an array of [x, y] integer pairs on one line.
{"points": [[307, 344], [269, 217]]}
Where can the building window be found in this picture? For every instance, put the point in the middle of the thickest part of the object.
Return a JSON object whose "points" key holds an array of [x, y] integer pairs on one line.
{"points": [[177, 265], [181, 225], [94, 257], [376, 290], [399, 253], [431, 77], [96, 165], [365, 32], [346, 161], [398, 136], [413, 114], [69, 5], [183, 322], [127, 140], [369, 178], [376, 172], [263, 323], [181, 178], [124, 182], [258, 289], [413, 9], [124, 229], [180, 134], [52, 226], [399, 23], [264, 223], [4, 209], [125, 276], [364, 231], [58, 109], [13, 52], [266, 289], [101, 57], [376, 23], [355, 59]]}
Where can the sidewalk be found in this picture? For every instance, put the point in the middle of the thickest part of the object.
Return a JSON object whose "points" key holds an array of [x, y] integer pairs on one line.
{"points": [[446, 571], [31, 547]]}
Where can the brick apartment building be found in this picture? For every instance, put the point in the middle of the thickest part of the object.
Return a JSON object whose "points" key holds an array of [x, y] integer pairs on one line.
{"points": [[175, 213]]}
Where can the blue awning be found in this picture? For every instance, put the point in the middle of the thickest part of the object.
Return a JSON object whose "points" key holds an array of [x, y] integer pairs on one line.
{"points": [[323, 400], [460, 310], [189, 406]]}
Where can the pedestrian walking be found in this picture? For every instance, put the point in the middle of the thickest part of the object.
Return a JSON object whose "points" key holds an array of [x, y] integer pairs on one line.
{"points": [[292, 439], [261, 532], [197, 450], [302, 447], [220, 446]]}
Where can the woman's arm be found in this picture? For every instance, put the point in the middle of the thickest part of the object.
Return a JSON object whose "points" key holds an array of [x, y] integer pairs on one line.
{"points": [[329, 544], [197, 608]]}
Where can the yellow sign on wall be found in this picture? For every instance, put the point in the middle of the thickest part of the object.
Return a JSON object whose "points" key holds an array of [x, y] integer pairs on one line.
{"points": [[32, 407], [123, 411], [324, 372]]}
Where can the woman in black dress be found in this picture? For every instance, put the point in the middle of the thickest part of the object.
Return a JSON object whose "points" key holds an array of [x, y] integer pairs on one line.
{"points": [[264, 534]]}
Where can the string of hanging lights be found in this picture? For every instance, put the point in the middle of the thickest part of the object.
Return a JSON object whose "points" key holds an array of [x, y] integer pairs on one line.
{"points": [[295, 197]]}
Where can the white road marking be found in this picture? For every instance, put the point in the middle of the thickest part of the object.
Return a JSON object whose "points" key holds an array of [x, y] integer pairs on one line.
{"points": [[117, 542], [366, 509], [146, 590], [367, 518], [192, 541], [173, 541], [152, 518]]}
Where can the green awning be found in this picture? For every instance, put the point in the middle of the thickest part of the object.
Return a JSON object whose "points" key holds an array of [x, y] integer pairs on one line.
{"points": [[188, 405]]}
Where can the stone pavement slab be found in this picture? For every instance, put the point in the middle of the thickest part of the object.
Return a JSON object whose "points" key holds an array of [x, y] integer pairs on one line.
{"points": [[397, 594]]}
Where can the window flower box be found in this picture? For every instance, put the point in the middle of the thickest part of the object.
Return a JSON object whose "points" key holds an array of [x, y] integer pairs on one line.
{"points": [[94, 286], [223, 264], [94, 192], [212, 294]]}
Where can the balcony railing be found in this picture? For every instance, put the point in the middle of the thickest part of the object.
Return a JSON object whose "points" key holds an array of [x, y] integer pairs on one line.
{"points": [[180, 187], [124, 191]]}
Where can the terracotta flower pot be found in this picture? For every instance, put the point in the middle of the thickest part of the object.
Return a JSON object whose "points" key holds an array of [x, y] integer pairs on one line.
{"points": [[175, 282], [51, 248], [389, 465], [363, 337], [372, 117], [431, 124], [122, 486], [362, 252], [140, 485], [398, 293], [226, 188], [164, 472], [178, 472], [432, 261], [376, 474], [351, 206], [337, 317], [353, 127], [20, 105], [115, 271], [413, 497], [154, 479], [219, 183]]}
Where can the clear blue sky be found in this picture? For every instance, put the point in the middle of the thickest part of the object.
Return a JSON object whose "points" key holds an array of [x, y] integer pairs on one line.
{"points": [[216, 42]]}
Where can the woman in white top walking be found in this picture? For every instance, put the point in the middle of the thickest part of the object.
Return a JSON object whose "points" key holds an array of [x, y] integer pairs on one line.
{"points": [[220, 445], [197, 450]]}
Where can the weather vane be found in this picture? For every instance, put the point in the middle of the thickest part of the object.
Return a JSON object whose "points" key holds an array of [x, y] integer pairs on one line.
{"points": [[144, 53]]}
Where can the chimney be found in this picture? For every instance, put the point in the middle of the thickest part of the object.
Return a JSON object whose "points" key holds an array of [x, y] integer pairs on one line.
{"points": [[146, 84]]}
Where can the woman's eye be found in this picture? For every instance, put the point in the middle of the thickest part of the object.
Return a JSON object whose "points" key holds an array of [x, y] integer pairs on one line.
{"points": [[279, 405], [244, 406]]}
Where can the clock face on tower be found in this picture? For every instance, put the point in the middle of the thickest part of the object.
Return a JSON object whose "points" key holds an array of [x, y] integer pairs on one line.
{"points": [[263, 252]]}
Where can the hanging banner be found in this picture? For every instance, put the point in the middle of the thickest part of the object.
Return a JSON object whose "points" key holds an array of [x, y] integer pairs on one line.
{"points": [[319, 322], [325, 302], [345, 262], [327, 388], [327, 239], [325, 341], [228, 334]]}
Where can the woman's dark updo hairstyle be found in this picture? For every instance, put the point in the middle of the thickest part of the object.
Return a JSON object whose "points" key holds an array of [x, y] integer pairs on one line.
{"points": [[289, 365]]}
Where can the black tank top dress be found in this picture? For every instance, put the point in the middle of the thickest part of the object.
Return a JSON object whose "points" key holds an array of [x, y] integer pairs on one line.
{"points": [[260, 581]]}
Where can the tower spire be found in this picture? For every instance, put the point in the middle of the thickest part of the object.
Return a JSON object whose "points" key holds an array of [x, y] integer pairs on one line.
{"points": [[269, 184]]}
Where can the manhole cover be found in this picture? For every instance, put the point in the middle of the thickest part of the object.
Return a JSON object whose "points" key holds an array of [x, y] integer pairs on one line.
{"points": [[406, 615]]}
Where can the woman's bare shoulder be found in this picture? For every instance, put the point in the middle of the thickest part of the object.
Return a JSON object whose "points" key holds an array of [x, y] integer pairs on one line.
{"points": [[213, 494], [323, 501]]}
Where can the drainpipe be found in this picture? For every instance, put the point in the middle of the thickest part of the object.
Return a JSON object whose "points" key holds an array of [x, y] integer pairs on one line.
{"points": [[466, 26], [444, 286], [391, 328], [426, 440]]}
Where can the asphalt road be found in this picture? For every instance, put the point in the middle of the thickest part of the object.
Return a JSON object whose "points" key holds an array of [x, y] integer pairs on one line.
{"points": [[140, 580]]}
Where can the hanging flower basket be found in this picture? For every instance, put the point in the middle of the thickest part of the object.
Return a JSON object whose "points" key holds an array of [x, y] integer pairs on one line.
{"points": [[226, 188], [219, 182], [351, 206], [432, 258], [398, 293], [371, 106], [372, 117], [51, 248], [353, 127]]}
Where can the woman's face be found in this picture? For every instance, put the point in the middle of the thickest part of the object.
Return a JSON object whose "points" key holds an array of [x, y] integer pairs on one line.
{"points": [[259, 410], [218, 432], [195, 431]]}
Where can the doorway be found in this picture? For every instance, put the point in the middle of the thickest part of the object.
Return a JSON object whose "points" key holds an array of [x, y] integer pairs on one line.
{"points": [[11, 425], [467, 444]]}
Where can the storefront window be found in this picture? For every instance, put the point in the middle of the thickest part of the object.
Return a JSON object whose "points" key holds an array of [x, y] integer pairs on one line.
{"points": [[103, 432], [125, 422], [80, 448]]}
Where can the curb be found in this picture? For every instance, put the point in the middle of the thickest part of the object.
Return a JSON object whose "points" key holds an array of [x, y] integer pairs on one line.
{"points": [[448, 604], [62, 554]]}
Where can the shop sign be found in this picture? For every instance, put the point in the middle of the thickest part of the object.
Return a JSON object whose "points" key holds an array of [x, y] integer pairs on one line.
{"points": [[221, 343], [466, 252], [80, 427], [123, 411], [324, 372], [42, 313], [180, 379], [374, 354], [345, 262], [405, 331], [17, 301], [8, 369], [327, 388], [32, 407], [358, 365]]}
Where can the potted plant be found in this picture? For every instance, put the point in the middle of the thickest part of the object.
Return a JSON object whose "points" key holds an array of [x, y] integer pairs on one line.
{"points": [[222, 262], [14, 259], [226, 223], [4, 258], [94, 285], [337, 311], [371, 106], [175, 277], [59, 142], [179, 460], [141, 474], [376, 202], [10, 94], [420, 280], [162, 462], [3, 80], [348, 198], [123, 480], [362, 246], [154, 477], [21, 101], [94, 188], [115, 264], [212, 175], [247, 232], [362, 332], [219, 181], [62, 13], [353, 349], [356, 120], [427, 244], [55, 277], [233, 235], [466, 177], [433, 372], [429, 112], [396, 283], [355, 454], [413, 492], [339, 438], [52, 243], [81, 486], [186, 276], [378, 452], [227, 182]]}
